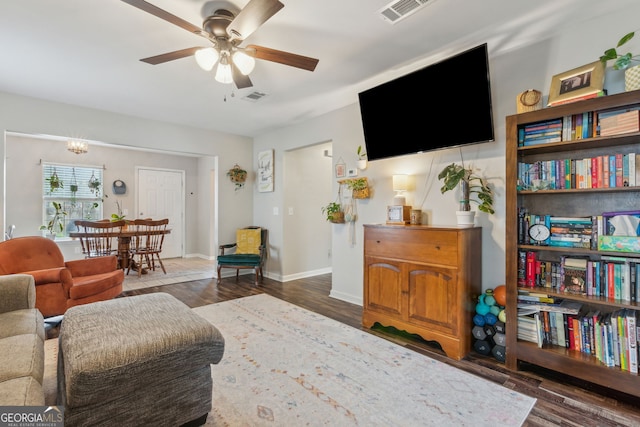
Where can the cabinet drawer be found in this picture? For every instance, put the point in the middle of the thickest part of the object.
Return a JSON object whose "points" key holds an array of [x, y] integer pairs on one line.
{"points": [[419, 245]]}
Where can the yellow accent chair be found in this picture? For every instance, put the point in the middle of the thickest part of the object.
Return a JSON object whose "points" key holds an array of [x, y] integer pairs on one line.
{"points": [[248, 252]]}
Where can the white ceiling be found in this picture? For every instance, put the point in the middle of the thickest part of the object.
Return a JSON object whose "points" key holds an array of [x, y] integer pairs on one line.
{"points": [[86, 52]]}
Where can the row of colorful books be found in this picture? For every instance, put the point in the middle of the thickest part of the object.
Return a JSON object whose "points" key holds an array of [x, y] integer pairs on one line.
{"points": [[612, 171], [612, 338], [571, 232], [611, 277], [581, 126]]}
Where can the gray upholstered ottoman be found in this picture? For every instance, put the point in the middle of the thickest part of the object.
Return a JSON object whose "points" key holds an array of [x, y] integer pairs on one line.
{"points": [[134, 361]]}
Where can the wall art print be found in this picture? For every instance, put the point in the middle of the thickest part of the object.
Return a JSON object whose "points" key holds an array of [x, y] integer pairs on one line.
{"points": [[265, 171]]}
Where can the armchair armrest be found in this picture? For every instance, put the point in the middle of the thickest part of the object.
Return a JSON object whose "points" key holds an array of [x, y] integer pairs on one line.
{"points": [[227, 246], [50, 275], [91, 266], [17, 292]]}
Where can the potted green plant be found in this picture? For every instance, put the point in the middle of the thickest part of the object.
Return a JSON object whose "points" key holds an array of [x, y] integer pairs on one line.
{"points": [[627, 61], [333, 212], [473, 188], [359, 187], [238, 176], [56, 224], [55, 182], [94, 185], [362, 158]]}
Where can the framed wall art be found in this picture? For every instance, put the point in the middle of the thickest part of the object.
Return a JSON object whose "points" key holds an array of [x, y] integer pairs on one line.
{"points": [[265, 171], [341, 168]]}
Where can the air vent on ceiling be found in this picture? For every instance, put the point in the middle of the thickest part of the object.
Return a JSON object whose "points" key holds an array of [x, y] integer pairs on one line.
{"points": [[254, 96], [400, 9]]}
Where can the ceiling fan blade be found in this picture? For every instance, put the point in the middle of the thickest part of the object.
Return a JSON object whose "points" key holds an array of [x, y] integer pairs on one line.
{"points": [[240, 79], [286, 58], [166, 57], [254, 14], [163, 14]]}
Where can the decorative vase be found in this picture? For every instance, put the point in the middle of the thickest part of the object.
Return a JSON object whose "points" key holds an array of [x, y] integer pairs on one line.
{"points": [[632, 78], [465, 218]]}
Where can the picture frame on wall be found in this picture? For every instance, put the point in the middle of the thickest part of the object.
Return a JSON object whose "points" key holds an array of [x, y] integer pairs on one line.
{"points": [[265, 171], [577, 84], [341, 169]]}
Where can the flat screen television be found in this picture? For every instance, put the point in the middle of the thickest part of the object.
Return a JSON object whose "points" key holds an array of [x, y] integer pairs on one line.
{"points": [[446, 104]]}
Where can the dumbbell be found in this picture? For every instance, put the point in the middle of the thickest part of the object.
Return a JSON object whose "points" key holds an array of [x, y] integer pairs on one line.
{"points": [[478, 332], [500, 327], [500, 339], [499, 352], [483, 347]]}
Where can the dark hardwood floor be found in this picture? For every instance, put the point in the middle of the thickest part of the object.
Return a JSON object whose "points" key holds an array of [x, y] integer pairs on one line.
{"points": [[561, 401]]}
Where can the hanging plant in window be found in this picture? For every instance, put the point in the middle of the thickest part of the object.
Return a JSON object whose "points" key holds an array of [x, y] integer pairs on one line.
{"points": [[94, 185], [73, 187], [238, 176], [54, 182]]}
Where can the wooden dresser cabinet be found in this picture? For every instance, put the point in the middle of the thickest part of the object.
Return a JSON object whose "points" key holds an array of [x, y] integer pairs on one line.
{"points": [[424, 280]]}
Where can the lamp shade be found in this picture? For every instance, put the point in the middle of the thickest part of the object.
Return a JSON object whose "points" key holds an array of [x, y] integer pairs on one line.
{"points": [[206, 58], [400, 182], [244, 62], [223, 73]]}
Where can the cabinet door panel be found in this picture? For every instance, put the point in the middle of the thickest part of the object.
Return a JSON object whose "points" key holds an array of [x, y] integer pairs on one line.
{"points": [[432, 297], [384, 292]]}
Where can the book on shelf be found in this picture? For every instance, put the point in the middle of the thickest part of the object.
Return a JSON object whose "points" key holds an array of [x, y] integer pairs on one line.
{"points": [[565, 306], [574, 271], [620, 123], [592, 95]]}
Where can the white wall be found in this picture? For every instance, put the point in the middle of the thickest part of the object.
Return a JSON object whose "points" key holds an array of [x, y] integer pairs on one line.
{"points": [[512, 71], [232, 209]]}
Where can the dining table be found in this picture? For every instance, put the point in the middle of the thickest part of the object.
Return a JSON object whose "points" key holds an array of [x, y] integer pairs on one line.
{"points": [[124, 242]]}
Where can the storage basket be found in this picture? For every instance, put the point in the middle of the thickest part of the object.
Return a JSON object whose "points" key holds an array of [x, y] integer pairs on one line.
{"points": [[529, 100]]}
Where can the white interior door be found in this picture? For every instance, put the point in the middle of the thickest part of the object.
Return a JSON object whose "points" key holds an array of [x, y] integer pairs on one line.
{"points": [[161, 195]]}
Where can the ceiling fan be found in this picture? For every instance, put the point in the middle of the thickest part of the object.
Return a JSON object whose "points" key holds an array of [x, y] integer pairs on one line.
{"points": [[226, 32]]}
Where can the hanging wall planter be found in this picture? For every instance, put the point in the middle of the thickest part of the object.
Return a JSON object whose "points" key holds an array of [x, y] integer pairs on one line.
{"points": [[238, 176], [359, 187]]}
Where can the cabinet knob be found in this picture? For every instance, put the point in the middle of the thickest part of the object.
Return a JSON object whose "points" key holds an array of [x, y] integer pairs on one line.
{"points": [[438, 247], [377, 241]]}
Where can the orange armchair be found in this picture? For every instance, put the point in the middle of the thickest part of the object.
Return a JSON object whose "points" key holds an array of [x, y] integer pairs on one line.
{"points": [[60, 284]]}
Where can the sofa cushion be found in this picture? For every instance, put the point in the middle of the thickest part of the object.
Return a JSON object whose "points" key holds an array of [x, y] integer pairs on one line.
{"points": [[21, 391], [22, 356], [18, 322]]}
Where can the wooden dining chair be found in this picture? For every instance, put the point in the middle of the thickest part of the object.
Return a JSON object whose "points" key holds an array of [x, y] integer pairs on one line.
{"points": [[146, 245], [99, 236]]}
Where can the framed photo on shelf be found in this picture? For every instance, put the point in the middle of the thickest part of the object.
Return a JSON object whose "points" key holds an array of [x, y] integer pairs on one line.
{"points": [[574, 85]]}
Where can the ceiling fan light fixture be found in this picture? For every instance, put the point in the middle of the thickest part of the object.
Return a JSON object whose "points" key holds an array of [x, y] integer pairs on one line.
{"points": [[244, 62], [207, 58], [223, 72]]}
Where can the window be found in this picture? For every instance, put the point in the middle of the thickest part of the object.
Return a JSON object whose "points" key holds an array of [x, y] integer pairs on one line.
{"points": [[78, 190]]}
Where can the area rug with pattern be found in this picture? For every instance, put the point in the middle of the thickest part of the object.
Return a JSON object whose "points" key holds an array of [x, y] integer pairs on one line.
{"points": [[284, 365]]}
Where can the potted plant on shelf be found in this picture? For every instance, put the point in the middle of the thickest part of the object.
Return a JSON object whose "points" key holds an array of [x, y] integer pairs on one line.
{"points": [[55, 225], [362, 158], [628, 62], [334, 213], [455, 175]]}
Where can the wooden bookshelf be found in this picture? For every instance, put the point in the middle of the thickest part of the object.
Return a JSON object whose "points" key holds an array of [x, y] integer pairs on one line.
{"points": [[566, 202]]}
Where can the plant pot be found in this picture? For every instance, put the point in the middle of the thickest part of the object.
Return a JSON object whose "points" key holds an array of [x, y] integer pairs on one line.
{"points": [[632, 78], [465, 218], [362, 164], [337, 217], [361, 194]]}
